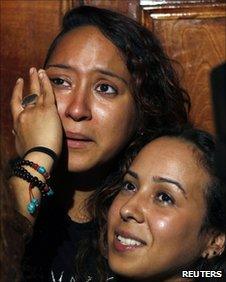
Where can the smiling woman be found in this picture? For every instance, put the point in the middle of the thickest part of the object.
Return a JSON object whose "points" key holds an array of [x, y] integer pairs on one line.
{"points": [[169, 214]]}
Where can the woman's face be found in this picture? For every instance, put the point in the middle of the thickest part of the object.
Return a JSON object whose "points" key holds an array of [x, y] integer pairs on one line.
{"points": [[95, 103], [155, 220]]}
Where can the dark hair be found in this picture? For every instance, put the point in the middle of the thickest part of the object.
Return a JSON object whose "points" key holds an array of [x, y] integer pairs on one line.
{"points": [[160, 100], [215, 193]]}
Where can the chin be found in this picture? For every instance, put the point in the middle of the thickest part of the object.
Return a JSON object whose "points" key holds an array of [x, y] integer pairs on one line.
{"points": [[125, 270], [79, 167], [81, 164]]}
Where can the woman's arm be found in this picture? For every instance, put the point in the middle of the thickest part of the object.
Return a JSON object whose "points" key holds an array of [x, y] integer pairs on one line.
{"points": [[34, 125]]}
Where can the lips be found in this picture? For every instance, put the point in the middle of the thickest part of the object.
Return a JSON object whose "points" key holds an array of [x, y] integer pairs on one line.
{"points": [[77, 140], [125, 241]]}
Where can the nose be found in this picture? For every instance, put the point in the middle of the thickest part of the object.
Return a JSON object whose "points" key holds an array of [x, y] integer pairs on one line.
{"points": [[132, 210], [79, 106]]}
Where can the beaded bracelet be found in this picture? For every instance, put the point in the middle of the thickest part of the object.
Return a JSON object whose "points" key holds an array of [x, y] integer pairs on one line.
{"points": [[35, 166], [33, 181], [21, 172]]}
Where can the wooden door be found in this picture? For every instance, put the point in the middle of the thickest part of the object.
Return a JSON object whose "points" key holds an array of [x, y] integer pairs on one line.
{"points": [[193, 33]]}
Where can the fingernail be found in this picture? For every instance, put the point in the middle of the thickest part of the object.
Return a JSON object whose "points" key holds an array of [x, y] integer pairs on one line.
{"points": [[40, 70], [32, 70], [19, 80], [41, 74]]}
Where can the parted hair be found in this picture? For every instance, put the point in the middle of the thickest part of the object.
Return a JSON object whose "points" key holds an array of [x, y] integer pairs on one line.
{"points": [[205, 151], [159, 98]]}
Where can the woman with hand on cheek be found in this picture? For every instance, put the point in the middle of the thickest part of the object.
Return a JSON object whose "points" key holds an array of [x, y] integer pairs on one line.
{"points": [[106, 81], [170, 213]]}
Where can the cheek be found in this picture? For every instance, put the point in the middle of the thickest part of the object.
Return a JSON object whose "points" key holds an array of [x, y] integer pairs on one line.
{"points": [[173, 228], [162, 227], [118, 120], [114, 214]]}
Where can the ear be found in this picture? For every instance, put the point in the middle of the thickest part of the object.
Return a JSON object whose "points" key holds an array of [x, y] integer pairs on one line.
{"points": [[215, 245]]}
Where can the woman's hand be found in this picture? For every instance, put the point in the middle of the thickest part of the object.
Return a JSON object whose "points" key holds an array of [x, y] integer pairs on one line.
{"points": [[34, 125], [37, 124]]}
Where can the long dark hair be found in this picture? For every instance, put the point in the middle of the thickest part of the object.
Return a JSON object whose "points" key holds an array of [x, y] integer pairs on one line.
{"points": [[160, 100], [215, 192]]}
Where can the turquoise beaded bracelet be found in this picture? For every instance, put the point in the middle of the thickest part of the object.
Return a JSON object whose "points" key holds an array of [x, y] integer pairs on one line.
{"points": [[21, 172], [35, 166]]}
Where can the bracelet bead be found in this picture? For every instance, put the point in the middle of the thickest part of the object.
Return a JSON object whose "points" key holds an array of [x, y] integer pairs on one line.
{"points": [[40, 169], [21, 172], [33, 205]]}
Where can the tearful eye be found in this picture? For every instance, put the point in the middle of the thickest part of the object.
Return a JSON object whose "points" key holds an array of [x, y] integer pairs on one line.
{"points": [[106, 88], [59, 81], [164, 198], [128, 186]]}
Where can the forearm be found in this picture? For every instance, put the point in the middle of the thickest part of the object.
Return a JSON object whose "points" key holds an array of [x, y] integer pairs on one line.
{"points": [[20, 187], [36, 124]]}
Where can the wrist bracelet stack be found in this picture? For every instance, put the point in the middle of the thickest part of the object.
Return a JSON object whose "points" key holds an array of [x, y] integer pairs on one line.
{"points": [[44, 150], [20, 171]]}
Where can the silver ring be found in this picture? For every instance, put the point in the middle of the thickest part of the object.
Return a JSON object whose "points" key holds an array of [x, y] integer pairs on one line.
{"points": [[29, 100], [13, 131]]}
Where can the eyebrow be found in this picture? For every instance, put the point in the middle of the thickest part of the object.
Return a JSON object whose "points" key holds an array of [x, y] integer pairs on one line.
{"points": [[132, 173], [103, 71], [160, 179]]}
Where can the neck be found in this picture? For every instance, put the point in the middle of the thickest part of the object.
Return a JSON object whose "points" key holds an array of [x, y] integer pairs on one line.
{"points": [[78, 211]]}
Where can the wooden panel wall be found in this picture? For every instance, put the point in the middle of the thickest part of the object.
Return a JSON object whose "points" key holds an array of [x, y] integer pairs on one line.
{"points": [[194, 34], [27, 28], [130, 8]]}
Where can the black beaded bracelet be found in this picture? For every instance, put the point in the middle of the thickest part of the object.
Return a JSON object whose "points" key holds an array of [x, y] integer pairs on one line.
{"points": [[21, 172], [45, 150], [35, 166]]}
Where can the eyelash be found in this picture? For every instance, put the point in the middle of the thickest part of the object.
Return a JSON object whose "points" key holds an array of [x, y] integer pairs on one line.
{"points": [[169, 200], [59, 81], [160, 197], [113, 91], [126, 184]]}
